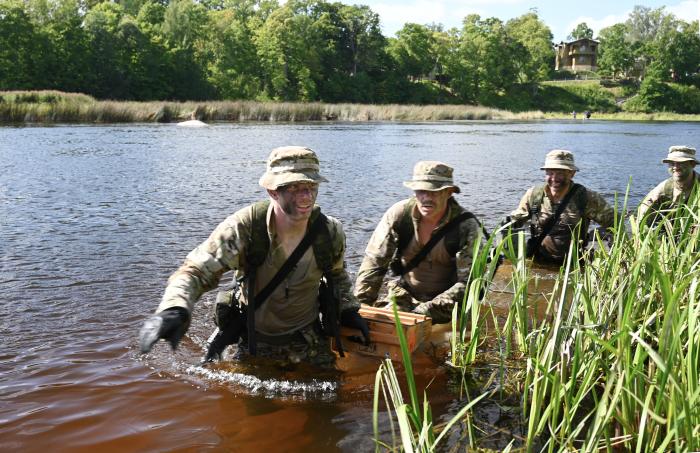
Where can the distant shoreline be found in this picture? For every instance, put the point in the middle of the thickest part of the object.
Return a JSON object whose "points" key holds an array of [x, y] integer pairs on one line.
{"points": [[51, 107]]}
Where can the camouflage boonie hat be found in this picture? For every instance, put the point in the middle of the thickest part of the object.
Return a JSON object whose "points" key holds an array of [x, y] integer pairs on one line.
{"points": [[290, 164], [431, 175], [680, 153], [559, 159]]}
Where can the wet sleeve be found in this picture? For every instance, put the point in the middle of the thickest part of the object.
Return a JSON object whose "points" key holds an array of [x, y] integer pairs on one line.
{"points": [[599, 210], [378, 254], [204, 266], [521, 214], [341, 280], [471, 230]]}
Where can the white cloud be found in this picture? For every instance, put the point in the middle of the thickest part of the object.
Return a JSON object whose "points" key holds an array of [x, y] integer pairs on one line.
{"points": [[688, 10], [596, 24]]}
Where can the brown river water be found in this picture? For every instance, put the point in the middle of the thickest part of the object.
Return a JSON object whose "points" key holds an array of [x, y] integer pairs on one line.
{"points": [[93, 219]]}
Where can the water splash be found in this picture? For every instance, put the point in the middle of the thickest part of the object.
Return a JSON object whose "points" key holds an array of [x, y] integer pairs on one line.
{"points": [[270, 388]]}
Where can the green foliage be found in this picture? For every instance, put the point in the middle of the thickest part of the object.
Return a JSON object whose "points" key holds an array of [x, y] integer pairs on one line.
{"points": [[311, 50], [581, 31]]}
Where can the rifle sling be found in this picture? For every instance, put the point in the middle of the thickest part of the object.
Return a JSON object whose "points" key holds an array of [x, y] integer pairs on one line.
{"points": [[439, 234], [547, 228]]}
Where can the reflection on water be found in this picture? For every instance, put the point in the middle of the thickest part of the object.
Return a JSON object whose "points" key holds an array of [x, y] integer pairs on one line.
{"points": [[93, 219]]}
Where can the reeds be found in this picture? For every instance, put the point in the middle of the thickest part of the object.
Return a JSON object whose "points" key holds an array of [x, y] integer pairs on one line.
{"points": [[615, 364], [58, 107]]}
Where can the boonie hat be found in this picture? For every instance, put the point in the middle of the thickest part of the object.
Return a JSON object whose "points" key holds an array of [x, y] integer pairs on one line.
{"points": [[290, 164], [431, 175], [680, 153], [559, 159]]}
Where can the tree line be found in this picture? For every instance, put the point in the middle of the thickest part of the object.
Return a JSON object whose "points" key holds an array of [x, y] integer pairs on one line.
{"points": [[309, 50]]}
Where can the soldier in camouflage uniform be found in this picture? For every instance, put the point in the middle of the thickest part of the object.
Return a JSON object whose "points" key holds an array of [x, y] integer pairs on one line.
{"points": [[287, 323], [540, 203], [676, 189], [435, 284]]}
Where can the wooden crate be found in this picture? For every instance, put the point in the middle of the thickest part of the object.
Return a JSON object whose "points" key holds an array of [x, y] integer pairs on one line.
{"points": [[382, 332]]}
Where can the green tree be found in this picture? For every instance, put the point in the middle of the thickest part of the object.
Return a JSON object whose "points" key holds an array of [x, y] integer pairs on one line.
{"points": [[616, 57], [412, 50], [20, 48], [289, 46], [581, 31], [482, 65], [536, 38], [234, 68]]}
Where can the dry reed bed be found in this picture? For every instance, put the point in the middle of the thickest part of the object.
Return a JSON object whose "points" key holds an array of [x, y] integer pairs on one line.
{"points": [[57, 107]]}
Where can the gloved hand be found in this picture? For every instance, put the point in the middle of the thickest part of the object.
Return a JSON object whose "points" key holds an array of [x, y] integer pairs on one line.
{"points": [[170, 324], [351, 318]]}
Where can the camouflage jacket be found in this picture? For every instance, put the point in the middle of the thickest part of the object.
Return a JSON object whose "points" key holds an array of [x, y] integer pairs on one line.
{"points": [[665, 196], [384, 242], [225, 250], [555, 245]]}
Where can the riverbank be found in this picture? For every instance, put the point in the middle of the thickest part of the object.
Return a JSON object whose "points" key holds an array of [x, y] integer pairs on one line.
{"points": [[59, 107], [626, 116]]}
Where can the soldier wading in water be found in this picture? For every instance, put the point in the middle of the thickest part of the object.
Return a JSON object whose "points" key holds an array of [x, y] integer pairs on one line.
{"points": [[427, 241], [284, 251], [555, 209]]}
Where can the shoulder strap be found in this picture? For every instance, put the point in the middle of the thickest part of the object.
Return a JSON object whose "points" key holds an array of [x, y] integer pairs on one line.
{"points": [[405, 226], [434, 240], [537, 198], [323, 245], [259, 243]]}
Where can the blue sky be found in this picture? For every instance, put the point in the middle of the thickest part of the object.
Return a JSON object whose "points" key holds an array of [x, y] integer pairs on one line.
{"points": [[560, 16]]}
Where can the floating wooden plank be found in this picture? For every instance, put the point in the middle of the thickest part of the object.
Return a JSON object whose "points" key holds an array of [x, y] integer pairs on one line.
{"points": [[384, 341]]}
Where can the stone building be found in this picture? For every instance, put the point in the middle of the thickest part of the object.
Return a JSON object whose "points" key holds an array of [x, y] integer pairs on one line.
{"points": [[579, 55]]}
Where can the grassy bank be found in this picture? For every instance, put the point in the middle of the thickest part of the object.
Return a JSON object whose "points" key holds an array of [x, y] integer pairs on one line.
{"points": [[58, 107], [628, 116]]}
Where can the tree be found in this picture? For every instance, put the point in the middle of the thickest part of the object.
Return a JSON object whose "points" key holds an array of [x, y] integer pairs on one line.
{"points": [[412, 50], [536, 38], [482, 64], [581, 31], [615, 55]]}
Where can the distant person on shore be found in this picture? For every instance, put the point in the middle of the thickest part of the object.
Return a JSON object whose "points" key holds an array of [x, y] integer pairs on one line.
{"points": [[559, 211], [427, 241], [574, 114], [587, 114], [675, 190], [280, 250]]}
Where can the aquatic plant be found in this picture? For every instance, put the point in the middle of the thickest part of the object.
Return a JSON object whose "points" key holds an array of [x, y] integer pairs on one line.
{"points": [[55, 106], [615, 363], [415, 422]]}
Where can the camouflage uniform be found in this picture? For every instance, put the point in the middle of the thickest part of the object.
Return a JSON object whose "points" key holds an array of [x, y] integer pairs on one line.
{"points": [[669, 194], [439, 281], [555, 245], [286, 322]]}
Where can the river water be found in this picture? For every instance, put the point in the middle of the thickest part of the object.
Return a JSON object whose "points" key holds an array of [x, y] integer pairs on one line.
{"points": [[93, 219]]}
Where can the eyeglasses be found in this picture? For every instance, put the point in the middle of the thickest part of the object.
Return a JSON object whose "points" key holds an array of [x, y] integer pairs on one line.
{"points": [[299, 189]]}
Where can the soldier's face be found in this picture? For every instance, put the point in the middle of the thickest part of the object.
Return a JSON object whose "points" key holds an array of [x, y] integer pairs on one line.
{"points": [[432, 203], [296, 200], [681, 171], [558, 179]]}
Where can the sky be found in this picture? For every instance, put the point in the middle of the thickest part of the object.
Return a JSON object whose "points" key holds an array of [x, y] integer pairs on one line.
{"points": [[561, 16]]}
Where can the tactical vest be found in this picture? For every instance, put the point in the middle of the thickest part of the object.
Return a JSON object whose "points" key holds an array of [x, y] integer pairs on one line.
{"points": [[579, 201], [453, 241]]}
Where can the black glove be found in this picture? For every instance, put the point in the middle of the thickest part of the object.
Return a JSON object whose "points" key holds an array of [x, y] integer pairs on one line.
{"points": [[170, 324], [351, 318]]}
